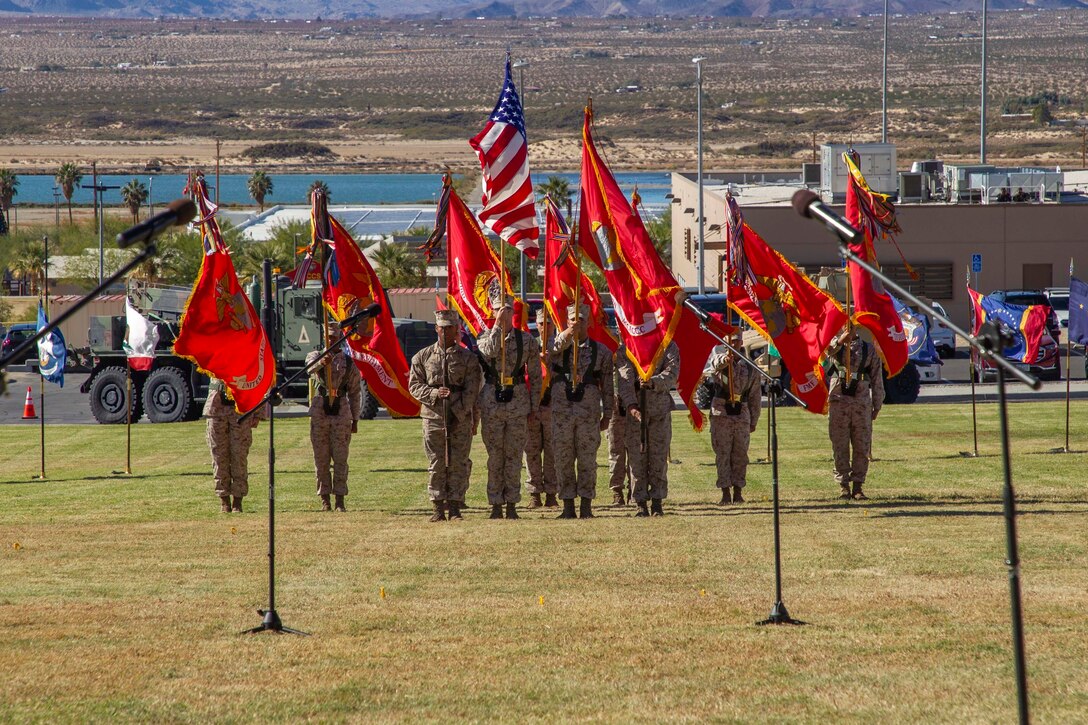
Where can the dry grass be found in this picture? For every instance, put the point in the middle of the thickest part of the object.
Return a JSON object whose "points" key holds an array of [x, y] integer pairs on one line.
{"points": [[125, 596]]}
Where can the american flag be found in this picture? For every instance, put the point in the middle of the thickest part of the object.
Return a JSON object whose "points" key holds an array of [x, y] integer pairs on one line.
{"points": [[509, 205]]}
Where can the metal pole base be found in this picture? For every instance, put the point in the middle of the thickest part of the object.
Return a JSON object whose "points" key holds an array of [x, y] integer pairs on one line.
{"points": [[272, 623], [968, 454], [1063, 449], [779, 615]]}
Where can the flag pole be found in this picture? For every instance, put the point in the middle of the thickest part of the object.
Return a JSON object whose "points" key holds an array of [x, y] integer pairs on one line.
{"points": [[41, 378], [1068, 374], [971, 375], [128, 419]]}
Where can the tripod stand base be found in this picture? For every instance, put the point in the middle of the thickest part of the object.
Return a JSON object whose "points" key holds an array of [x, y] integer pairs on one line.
{"points": [[272, 623], [968, 454], [779, 615], [1063, 449]]}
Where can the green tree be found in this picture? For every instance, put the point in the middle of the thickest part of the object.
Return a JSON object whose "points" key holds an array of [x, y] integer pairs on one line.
{"points": [[318, 184], [249, 256], [68, 177], [660, 231], [396, 266], [29, 262], [1041, 114], [9, 185], [294, 234], [259, 186], [558, 189], [133, 195]]}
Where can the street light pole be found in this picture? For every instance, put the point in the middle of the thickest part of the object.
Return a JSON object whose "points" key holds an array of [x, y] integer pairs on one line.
{"points": [[699, 142], [884, 82], [982, 113], [100, 200], [521, 65], [150, 201]]}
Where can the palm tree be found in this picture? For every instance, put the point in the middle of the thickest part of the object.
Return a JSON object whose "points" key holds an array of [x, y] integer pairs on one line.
{"points": [[396, 266], [9, 185], [558, 189], [250, 256], [134, 194], [259, 186], [319, 184], [68, 177], [29, 262]]}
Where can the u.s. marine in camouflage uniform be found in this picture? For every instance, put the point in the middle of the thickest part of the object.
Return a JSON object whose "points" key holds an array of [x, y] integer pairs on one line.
{"points": [[539, 453], [334, 416], [619, 472], [580, 411], [734, 413], [507, 406], [852, 408], [229, 441], [649, 428], [445, 378]]}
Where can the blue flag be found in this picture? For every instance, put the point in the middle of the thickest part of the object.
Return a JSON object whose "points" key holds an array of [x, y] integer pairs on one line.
{"points": [[1078, 310], [52, 354], [920, 347]]}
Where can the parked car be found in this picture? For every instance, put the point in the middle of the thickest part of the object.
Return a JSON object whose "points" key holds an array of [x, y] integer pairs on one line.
{"points": [[1059, 302], [943, 338], [19, 332], [1047, 365], [1027, 297]]}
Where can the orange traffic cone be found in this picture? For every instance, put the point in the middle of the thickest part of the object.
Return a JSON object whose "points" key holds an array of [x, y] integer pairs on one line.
{"points": [[28, 406]]}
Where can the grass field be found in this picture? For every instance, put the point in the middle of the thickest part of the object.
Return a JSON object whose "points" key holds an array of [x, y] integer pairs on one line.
{"points": [[121, 597]]}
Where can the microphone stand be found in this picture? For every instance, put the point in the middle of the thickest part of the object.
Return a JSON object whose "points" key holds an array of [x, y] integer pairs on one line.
{"points": [[989, 343], [19, 353], [779, 614], [271, 621]]}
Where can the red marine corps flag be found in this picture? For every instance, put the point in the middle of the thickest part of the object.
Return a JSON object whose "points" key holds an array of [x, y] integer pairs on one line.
{"points": [[476, 277], [220, 332], [563, 279], [644, 294], [874, 215], [509, 203], [783, 305], [349, 286]]}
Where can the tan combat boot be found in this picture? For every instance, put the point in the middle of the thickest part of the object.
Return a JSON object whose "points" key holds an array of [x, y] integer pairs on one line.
{"points": [[586, 509], [550, 501], [455, 510], [642, 512], [617, 498], [326, 504], [224, 504], [340, 503], [737, 498], [858, 494], [568, 509], [655, 508], [496, 511], [512, 511], [439, 511], [237, 507], [534, 501]]}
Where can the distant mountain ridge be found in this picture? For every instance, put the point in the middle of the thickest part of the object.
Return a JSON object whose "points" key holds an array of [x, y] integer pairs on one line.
{"points": [[355, 9]]}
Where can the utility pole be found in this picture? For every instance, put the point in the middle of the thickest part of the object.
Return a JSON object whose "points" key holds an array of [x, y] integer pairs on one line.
{"points": [[99, 199], [217, 146], [699, 155], [884, 84], [982, 114]]}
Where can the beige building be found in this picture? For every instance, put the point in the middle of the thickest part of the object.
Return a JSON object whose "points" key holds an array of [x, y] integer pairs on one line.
{"points": [[1022, 245]]}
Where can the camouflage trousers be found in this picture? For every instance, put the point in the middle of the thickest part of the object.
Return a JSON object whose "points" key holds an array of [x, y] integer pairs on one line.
{"points": [[229, 442], [447, 483], [729, 436], [539, 455], [850, 425], [618, 470], [331, 437], [577, 438], [504, 438], [649, 468]]}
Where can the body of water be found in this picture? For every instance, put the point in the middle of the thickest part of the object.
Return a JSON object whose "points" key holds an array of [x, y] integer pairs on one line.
{"points": [[360, 189]]}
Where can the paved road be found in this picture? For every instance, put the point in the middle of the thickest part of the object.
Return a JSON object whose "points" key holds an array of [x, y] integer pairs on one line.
{"points": [[68, 405]]}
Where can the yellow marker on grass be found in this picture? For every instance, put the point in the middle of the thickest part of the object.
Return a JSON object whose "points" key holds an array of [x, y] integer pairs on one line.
{"points": [[542, 600], [16, 546], [381, 592]]}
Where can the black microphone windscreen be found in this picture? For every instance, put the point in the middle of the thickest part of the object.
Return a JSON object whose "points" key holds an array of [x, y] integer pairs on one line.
{"points": [[802, 199], [184, 209]]}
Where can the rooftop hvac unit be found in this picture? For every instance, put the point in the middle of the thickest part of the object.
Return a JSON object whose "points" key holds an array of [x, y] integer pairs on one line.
{"points": [[927, 167], [877, 164], [810, 174], [913, 186]]}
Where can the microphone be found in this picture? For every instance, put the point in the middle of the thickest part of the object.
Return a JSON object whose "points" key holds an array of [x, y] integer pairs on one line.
{"points": [[808, 204], [702, 314], [349, 323], [178, 213]]}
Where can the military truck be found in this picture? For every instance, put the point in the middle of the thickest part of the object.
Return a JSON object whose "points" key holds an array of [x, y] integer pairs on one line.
{"points": [[173, 390]]}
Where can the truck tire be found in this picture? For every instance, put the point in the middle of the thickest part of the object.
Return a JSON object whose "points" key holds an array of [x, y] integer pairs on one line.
{"points": [[904, 387], [167, 398], [109, 401], [370, 404]]}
